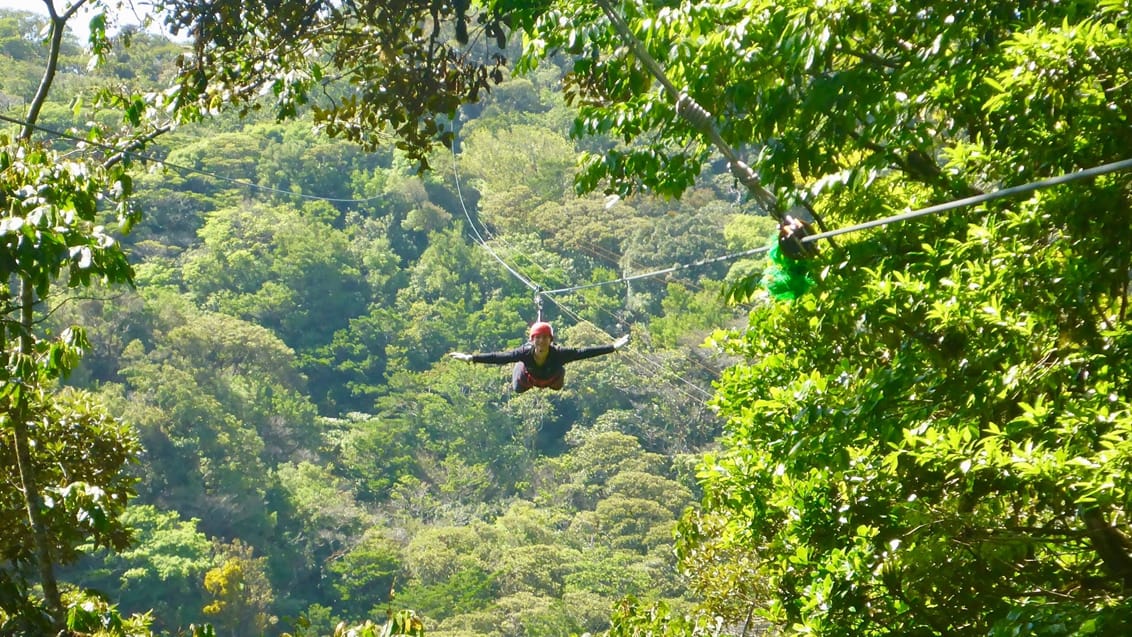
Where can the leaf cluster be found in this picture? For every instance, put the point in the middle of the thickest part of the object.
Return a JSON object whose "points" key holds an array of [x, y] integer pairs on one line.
{"points": [[367, 70]]}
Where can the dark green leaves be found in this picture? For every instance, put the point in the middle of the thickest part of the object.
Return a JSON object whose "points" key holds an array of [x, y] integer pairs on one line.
{"points": [[373, 73], [81, 454]]}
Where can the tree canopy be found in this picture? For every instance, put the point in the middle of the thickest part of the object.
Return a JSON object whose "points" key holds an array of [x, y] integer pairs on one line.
{"points": [[933, 441]]}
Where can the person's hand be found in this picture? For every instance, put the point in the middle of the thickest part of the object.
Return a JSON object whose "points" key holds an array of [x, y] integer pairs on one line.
{"points": [[467, 358], [621, 342]]}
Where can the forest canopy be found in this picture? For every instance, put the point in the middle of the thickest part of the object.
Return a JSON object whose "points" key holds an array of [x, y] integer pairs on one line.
{"points": [[236, 263]]}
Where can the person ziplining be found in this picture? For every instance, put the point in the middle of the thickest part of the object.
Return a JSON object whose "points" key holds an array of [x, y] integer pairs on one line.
{"points": [[539, 362]]}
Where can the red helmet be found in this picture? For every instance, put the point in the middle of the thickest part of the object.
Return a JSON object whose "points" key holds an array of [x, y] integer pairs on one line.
{"points": [[541, 328]]}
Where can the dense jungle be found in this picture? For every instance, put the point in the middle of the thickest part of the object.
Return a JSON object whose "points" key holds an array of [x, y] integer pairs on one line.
{"points": [[240, 239]]}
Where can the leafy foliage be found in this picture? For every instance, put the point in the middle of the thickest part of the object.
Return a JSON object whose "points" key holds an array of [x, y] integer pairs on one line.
{"points": [[160, 573], [397, 69], [239, 591], [81, 461], [917, 447], [52, 225], [931, 443]]}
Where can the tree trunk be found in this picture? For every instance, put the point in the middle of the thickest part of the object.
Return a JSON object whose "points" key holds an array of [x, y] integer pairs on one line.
{"points": [[1113, 547], [21, 411], [21, 415]]}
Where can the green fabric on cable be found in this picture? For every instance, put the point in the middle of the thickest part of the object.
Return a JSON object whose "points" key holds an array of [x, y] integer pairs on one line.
{"points": [[784, 278]]}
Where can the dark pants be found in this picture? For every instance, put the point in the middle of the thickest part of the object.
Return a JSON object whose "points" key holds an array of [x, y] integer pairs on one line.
{"points": [[522, 380]]}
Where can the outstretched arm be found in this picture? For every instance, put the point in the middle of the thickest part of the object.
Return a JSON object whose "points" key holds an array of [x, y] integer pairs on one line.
{"points": [[491, 358], [570, 354]]}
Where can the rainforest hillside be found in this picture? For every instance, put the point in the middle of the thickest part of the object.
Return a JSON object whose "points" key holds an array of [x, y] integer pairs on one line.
{"points": [[280, 365], [234, 260]]}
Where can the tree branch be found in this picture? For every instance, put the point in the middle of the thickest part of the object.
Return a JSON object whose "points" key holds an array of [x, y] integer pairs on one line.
{"points": [[136, 144], [888, 63], [58, 28], [1113, 547]]}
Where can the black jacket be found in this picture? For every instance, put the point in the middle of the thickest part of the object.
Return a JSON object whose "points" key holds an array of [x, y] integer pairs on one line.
{"points": [[555, 359]]}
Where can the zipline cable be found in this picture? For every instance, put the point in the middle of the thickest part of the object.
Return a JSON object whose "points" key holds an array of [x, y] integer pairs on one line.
{"points": [[614, 259], [186, 169], [460, 196], [539, 295], [1085, 173], [651, 365], [678, 266], [479, 238]]}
